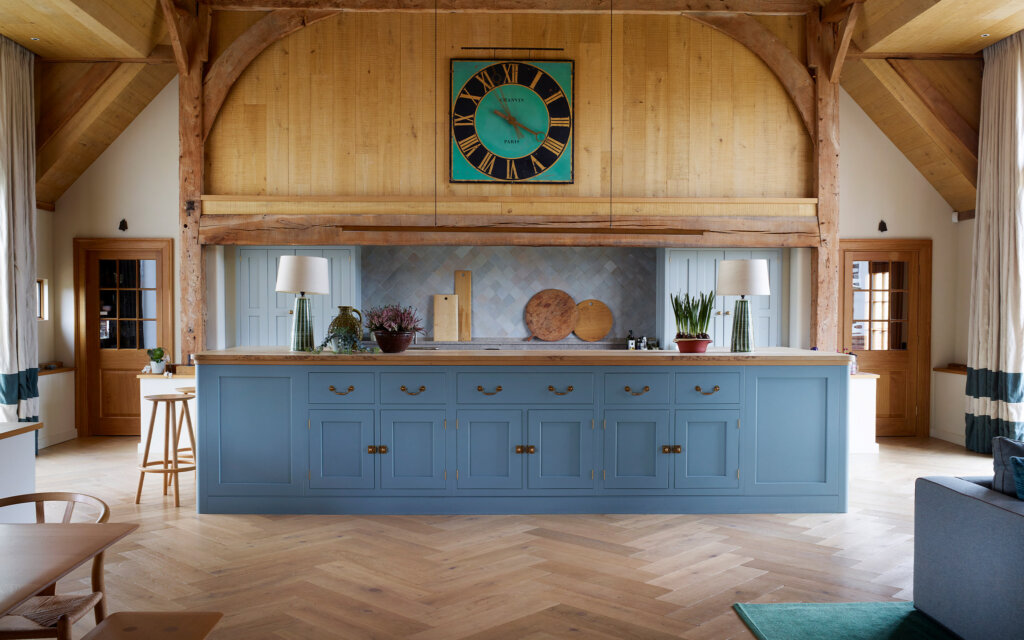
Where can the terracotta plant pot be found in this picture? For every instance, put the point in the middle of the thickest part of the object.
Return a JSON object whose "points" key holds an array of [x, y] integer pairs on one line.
{"points": [[692, 345], [393, 342]]}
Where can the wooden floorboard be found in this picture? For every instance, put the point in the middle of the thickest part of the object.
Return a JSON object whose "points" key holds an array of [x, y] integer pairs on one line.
{"points": [[494, 577]]}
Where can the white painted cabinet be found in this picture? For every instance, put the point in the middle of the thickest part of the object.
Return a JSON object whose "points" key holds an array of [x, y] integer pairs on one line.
{"points": [[264, 316], [696, 270]]}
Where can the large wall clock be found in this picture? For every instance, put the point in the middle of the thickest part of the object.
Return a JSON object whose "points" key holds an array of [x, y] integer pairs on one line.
{"points": [[512, 121]]}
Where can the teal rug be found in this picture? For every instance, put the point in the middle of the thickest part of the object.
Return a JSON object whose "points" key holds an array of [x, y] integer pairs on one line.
{"points": [[840, 621]]}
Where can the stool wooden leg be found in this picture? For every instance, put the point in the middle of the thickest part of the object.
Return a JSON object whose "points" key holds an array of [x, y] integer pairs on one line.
{"points": [[168, 421], [145, 455], [174, 455], [191, 434]]}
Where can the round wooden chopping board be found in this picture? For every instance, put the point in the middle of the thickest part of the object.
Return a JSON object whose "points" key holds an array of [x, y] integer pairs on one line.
{"points": [[551, 315], [595, 320]]}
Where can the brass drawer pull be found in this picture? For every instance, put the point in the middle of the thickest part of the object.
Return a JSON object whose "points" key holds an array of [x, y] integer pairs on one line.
{"points": [[707, 393], [382, 449], [567, 391], [531, 449], [519, 448], [371, 449], [666, 448], [413, 393], [341, 393], [677, 448], [638, 393], [496, 391]]}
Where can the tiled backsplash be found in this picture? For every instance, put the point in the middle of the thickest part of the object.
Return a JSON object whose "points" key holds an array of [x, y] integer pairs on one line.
{"points": [[505, 278]]}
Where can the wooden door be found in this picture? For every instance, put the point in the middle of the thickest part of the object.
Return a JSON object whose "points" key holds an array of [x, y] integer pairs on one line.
{"points": [[886, 320], [124, 307]]}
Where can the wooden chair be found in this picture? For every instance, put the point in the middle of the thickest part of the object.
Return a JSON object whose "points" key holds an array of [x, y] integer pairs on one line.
{"points": [[156, 625], [47, 615]]}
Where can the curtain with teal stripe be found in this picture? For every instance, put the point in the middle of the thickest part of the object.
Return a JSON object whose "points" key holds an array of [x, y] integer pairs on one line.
{"points": [[19, 356], [995, 356]]}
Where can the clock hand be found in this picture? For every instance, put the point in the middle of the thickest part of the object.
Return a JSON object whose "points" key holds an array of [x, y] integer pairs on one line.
{"points": [[512, 121], [538, 135]]}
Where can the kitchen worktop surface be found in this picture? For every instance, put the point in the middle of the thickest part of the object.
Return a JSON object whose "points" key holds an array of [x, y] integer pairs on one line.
{"points": [[522, 357]]}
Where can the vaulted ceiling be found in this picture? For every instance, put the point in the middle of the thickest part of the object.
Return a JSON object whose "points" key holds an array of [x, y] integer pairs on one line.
{"points": [[913, 66]]}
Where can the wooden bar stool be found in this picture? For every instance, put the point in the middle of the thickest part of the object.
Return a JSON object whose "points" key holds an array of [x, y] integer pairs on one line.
{"points": [[170, 465], [186, 418]]}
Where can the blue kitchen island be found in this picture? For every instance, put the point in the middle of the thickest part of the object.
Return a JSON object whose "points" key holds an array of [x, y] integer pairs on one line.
{"points": [[531, 431]]}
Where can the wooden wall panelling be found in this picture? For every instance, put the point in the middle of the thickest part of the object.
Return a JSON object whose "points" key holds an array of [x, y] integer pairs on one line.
{"points": [[581, 38], [83, 136], [937, 26]]}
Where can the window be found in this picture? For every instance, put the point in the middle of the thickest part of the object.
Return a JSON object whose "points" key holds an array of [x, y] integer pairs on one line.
{"points": [[42, 288]]}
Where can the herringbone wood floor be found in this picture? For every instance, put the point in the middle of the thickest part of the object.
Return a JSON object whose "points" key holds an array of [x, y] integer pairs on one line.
{"points": [[537, 577]]}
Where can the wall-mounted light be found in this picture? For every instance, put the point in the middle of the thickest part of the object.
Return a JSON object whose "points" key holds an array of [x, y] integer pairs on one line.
{"points": [[123, 225], [882, 226]]}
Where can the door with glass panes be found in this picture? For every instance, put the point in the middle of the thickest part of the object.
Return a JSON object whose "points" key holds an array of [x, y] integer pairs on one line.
{"points": [[884, 323], [127, 310]]}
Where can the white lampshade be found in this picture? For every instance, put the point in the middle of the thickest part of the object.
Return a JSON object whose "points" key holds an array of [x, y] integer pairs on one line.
{"points": [[302, 274], [742, 278]]}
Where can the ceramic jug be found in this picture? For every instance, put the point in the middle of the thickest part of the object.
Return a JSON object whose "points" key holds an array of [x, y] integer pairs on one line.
{"points": [[346, 329]]}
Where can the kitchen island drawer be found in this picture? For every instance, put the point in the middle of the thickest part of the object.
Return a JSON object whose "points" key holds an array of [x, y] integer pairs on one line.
{"points": [[711, 387], [640, 387], [341, 388], [413, 387], [545, 388]]}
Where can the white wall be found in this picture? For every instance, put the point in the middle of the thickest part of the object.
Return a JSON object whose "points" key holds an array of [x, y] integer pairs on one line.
{"points": [[136, 178]]}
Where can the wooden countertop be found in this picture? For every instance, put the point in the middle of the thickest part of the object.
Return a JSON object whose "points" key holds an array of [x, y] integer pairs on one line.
{"points": [[11, 429], [173, 376], [524, 357]]}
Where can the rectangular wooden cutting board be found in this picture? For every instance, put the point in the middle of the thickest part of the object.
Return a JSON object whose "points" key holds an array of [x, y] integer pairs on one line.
{"points": [[446, 317]]}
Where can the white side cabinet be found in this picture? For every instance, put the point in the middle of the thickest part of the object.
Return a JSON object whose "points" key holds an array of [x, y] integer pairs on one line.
{"points": [[694, 271], [264, 316]]}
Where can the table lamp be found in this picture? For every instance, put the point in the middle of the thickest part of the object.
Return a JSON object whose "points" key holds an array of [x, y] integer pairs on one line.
{"points": [[302, 275], [742, 278]]}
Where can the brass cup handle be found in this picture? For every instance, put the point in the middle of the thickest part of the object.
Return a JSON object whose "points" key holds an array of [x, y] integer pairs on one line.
{"points": [[707, 393], [567, 391], [638, 393], [413, 393], [677, 448], [496, 391], [371, 449], [666, 448], [519, 448], [531, 449], [382, 449], [341, 393]]}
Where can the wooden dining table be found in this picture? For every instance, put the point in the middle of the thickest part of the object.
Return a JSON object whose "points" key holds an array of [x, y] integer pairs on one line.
{"points": [[32, 556]]}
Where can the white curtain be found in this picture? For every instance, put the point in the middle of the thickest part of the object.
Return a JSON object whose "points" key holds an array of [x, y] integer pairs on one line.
{"points": [[19, 355], [995, 356]]}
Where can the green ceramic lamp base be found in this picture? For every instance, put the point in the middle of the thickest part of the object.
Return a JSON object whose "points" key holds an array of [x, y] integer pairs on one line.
{"points": [[302, 325], [741, 328]]}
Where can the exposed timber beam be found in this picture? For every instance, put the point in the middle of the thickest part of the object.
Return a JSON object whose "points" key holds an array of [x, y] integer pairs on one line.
{"points": [[843, 40], [230, 64], [837, 10], [755, 7], [939, 105], [161, 54], [960, 151], [856, 54], [774, 53], [181, 17], [72, 97], [45, 206]]}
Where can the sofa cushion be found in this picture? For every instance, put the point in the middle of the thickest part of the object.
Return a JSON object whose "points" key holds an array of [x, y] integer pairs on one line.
{"points": [[1002, 450], [1018, 474]]}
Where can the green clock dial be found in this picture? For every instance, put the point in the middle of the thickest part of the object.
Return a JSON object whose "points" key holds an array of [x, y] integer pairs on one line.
{"points": [[511, 121]]}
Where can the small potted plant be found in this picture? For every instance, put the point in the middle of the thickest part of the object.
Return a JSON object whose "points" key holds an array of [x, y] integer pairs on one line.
{"points": [[693, 315], [157, 359], [393, 326]]}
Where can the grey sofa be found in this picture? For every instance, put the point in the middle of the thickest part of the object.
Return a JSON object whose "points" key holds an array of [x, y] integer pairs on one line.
{"points": [[969, 557]]}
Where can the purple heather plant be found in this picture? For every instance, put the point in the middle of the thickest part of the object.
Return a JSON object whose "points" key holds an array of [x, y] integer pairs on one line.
{"points": [[393, 318]]}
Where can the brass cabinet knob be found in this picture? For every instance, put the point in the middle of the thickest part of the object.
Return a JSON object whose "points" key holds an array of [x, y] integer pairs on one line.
{"points": [[371, 449], [341, 393], [638, 393], [382, 449], [666, 448], [531, 449], [496, 391], [567, 391], [519, 448], [677, 448], [707, 393], [413, 393]]}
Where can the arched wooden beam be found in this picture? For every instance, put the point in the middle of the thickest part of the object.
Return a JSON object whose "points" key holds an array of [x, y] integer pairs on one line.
{"points": [[230, 64], [793, 75]]}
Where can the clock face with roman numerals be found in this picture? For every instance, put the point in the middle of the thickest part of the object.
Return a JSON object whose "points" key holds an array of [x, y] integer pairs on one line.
{"points": [[512, 121]]}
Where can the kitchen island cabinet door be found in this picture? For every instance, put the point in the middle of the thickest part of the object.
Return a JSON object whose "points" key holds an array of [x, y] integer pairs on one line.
{"points": [[563, 454], [338, 454], [486, 441], [414, 457], [710, 445], [633, 456]]}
